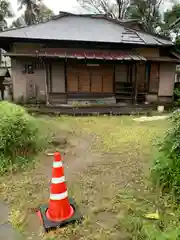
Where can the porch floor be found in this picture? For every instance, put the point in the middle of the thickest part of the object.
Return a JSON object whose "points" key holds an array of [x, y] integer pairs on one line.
{"points": [[116, 109]]}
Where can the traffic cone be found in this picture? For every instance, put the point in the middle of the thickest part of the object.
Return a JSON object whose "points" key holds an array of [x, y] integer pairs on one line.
{"points": [[61, 210]]}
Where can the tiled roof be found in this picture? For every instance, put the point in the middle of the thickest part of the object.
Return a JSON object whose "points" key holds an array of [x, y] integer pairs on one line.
{"points": [[84, 28]]}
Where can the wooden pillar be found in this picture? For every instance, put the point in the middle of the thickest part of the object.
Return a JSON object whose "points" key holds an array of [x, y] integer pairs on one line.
{"points": [[114, 78], [65, 79], [45, 65], [147, 76], [130, 70], [46, 83], [135, 84], [65, 73]]}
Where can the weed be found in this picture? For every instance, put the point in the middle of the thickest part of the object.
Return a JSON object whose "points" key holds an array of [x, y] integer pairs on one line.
{"points": [[177, 96], [166, 168], [17, 219]]}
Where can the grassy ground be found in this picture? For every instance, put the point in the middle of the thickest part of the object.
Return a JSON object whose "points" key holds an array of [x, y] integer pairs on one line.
{"points": [[107, 162]]}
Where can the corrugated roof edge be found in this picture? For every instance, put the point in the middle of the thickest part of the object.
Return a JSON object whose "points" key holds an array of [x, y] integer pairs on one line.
{"points": [[102, 16]]}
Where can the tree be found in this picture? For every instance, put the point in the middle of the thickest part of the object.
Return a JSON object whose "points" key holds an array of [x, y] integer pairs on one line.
{"points": [[41, 15], [31, 10], [44, 14], [170, 16], [19, 22], [171, 23], [148, 12], [113, 9], [5, 12]]}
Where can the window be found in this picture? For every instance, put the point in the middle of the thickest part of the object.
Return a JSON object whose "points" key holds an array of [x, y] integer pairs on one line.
{"points": [[31, 67], [28, 68]]}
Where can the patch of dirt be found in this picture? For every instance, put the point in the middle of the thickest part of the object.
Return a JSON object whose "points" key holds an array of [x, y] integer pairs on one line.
{"points": [[77, 156], [59, 141]]}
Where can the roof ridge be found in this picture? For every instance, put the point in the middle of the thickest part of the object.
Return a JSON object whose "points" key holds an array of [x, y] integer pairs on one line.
{"points": [[65, 14], [103, 16], [60, 15], [118, 21], [21, 32]]}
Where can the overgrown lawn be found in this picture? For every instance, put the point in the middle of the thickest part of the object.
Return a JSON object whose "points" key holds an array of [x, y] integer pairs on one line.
{"points": [[112, 190]]}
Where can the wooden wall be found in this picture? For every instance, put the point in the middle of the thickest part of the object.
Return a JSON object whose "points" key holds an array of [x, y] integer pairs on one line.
{"points": [[154, 77], [148, 52], [57, 84], [141, 77], [84, 78], [167, 78], [121, 72], [26, 47]]}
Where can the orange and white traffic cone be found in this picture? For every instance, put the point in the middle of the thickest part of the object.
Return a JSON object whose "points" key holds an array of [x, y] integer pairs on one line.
{"points": [[61, 209], [59, 206]]}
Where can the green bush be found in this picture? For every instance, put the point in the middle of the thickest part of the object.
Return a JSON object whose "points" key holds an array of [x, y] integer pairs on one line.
{"points": [[166, 168], [177, 96], [19, 137]]}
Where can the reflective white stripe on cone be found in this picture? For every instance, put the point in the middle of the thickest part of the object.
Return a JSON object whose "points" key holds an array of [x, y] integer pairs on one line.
{"points": [[58, 180], [59, 196], [57, 164]]}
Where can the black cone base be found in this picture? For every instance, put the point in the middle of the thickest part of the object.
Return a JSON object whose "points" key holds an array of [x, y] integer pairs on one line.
{"points": [[50, 225]]}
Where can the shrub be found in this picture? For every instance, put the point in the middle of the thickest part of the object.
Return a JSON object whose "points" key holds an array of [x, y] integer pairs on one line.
{"points": [[19, 136], [166, 168], [177, 96]]}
